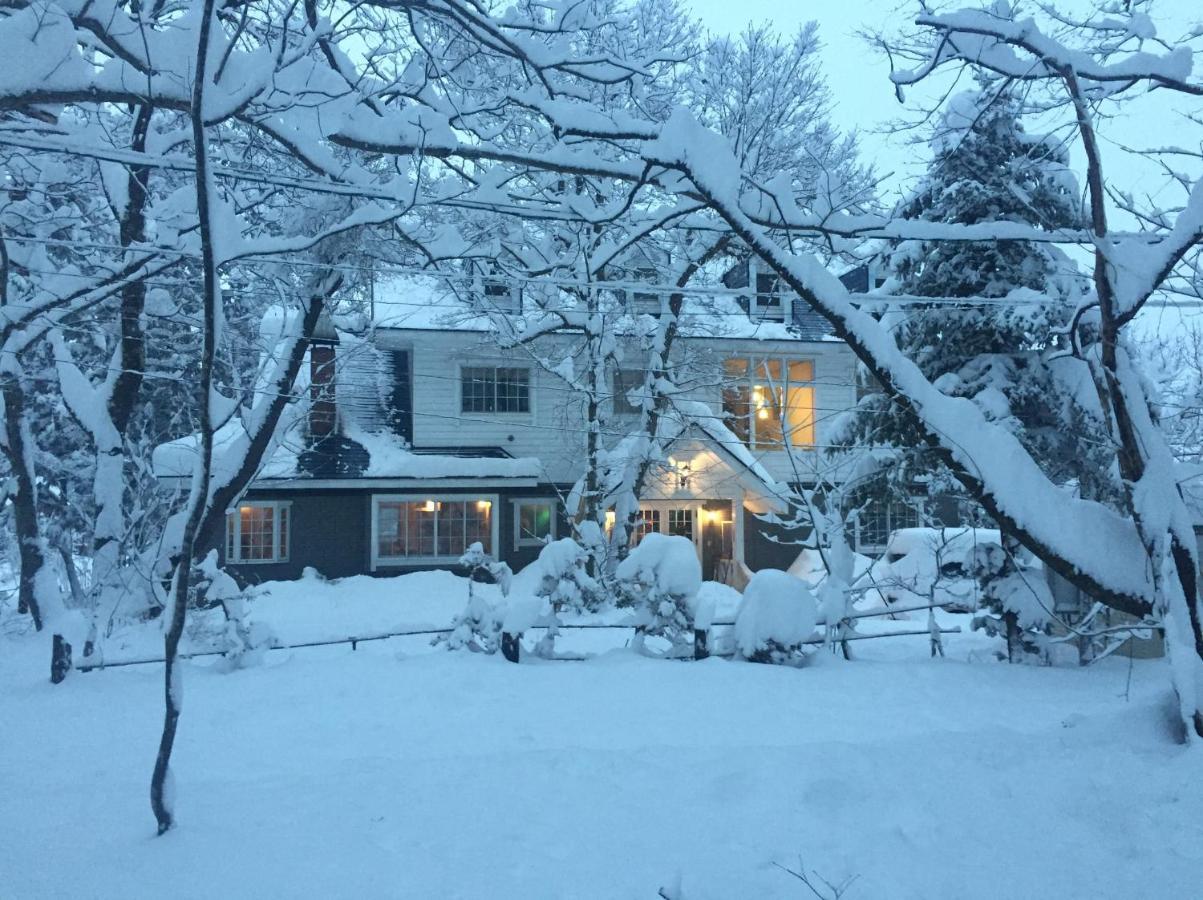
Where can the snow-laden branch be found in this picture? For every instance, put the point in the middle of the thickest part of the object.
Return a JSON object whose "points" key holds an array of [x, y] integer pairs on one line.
{"points": [[1019, 49]]}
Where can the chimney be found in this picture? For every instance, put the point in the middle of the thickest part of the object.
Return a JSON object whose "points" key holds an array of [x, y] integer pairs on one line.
{"points": [[323, 409]]}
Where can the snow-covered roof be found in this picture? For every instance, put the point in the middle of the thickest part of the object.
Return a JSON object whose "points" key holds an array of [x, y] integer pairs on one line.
{"points": [[432, 303], [356, 454]]}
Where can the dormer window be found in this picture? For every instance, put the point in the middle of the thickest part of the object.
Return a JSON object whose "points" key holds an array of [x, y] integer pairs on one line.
{"points": [[645, 302], [768, 301], [496, 292]]}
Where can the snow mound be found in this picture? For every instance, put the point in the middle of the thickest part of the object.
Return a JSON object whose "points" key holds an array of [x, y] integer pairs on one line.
{"points": [[667, 562], [778, 609]]}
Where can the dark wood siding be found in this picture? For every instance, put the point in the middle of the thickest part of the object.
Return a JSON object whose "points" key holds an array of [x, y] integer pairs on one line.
{"points": [[331, 531]]}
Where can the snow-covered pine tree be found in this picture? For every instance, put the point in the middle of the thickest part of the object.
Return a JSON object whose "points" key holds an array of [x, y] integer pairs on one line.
{"points": [[1001, 347]]}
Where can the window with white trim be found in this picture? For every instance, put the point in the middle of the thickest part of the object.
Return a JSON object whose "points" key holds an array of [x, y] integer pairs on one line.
{"points": [[495, 389], [258, 532], [534, 522], [770, 402], [409, 529]]}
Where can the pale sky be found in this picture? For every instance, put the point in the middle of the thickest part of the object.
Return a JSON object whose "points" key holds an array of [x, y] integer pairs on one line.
{"points": [[859, 76], [863, 97]]}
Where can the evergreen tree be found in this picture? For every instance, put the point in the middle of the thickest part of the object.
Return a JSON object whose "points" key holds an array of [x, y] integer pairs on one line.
{"points": [[1005, 355]]}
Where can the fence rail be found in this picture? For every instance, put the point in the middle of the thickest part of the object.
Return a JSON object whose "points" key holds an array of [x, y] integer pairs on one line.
{"points": [[62, 661]]}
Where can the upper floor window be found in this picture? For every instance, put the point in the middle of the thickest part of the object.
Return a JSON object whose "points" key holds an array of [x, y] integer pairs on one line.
{"points": [[770, 402], [625, 383], [258, 532], [493, 290], [502, 389]]}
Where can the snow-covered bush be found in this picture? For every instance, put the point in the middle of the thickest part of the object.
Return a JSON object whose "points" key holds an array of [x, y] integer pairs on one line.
{"points": [[661, 577], [478, 627], [564, 577], [1016, 603], [778, 613], [243, 643], [562, 583]]}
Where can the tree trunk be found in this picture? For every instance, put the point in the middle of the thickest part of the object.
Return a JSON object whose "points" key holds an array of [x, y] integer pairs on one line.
{"points": [[172, 695], [19, 450]]}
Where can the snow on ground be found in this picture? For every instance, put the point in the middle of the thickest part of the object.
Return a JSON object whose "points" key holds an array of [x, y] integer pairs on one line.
{"points": [[401, 771]]}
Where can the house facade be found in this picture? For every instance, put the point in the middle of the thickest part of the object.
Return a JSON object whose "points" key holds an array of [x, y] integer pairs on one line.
{"points": [[421, 436]]}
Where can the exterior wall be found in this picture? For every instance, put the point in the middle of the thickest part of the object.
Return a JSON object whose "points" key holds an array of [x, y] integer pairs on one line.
{"points": [[331, 531], [553, 430], [328, 532], [768, 546]]}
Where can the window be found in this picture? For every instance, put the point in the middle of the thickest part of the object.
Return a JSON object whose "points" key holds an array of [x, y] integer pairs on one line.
{"points": [[645, 302], [767, 303], [534, 522], [879, 518], [770, 403], [258, 532], [499, 389], [648, 522], [419, 529], [680, 522], [624, 382]]}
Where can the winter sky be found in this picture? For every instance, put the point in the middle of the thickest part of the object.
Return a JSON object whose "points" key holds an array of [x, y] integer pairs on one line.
{"points": [[863, 98]]}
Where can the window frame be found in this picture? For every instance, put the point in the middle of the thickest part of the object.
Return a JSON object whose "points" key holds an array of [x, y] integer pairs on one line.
{"points": [[379, 561], [524, 543], [530, 389], [619, 404], [233, 537], [896, 514], [747, 381]]}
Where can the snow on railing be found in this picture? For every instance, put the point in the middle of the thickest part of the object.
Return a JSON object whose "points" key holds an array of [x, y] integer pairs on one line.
{"points": [[62, 661]]}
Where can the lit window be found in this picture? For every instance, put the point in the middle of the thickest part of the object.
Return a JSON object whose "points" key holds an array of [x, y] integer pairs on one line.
{"points": [[414, 528], [770, 403], [502, 389], [258, 532], [534, 522], [680, 522], [647, 523]]}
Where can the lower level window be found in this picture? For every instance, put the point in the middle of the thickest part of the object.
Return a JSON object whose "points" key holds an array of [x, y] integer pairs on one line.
{"points": [[258, 532], [413, 528], [535, 522]]}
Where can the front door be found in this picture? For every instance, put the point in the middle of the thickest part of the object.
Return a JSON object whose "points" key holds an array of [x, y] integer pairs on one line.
{"points": [[710, 525]]}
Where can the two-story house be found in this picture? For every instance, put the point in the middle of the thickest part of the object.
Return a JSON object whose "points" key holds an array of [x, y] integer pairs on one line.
{"points": [[421, 437]]}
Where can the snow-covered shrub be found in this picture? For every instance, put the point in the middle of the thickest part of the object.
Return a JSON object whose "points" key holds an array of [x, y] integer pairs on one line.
{"points": [[564, 577], [661, 577], [778, 613], [478, 627], [558, 581], [1016, 603], [243, 643]]}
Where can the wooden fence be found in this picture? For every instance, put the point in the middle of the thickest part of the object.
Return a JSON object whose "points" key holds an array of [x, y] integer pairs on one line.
{"points": [[61, 661]]}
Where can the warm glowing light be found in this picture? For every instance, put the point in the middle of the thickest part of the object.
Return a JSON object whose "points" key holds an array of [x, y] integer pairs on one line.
{"points": [[762, 413], [484, 504], [430, 506]]}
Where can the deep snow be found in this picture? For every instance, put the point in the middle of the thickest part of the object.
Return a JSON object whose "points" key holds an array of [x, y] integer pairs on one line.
{"points": [[401, 771]]}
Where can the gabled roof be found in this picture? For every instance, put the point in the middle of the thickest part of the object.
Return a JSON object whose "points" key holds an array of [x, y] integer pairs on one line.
{"points": [[421, 302]]}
